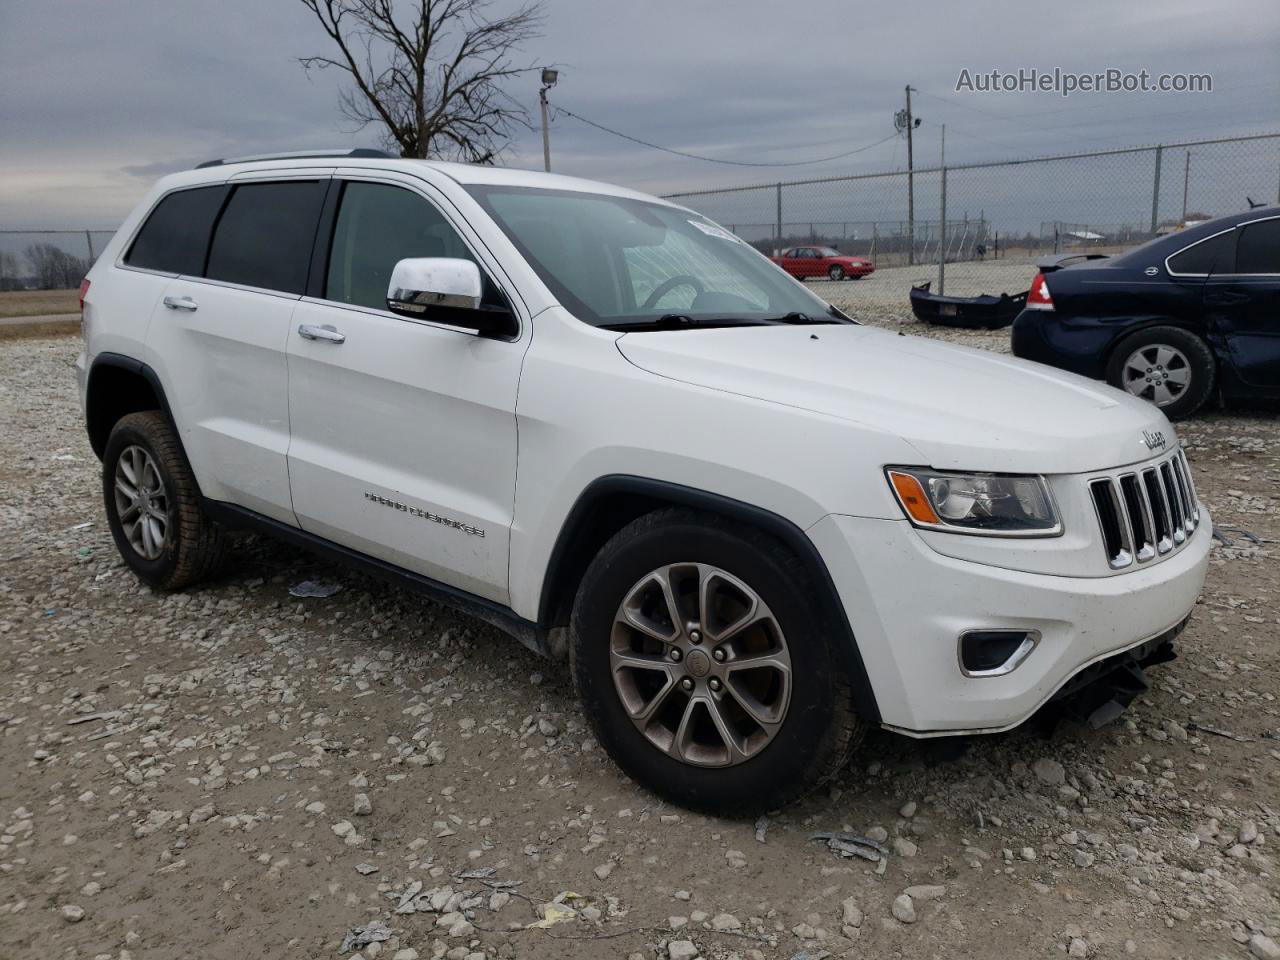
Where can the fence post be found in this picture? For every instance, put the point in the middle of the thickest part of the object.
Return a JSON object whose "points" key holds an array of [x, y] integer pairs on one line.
{"points": [[778, 245], [942, 238], [89, 239], [875, 234], [1155, 190]]}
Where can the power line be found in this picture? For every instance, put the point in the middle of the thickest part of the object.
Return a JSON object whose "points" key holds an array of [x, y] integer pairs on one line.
{"points": [[735, 163]]}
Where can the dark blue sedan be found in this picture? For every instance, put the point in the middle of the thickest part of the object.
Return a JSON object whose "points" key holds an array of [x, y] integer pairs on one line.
{"points": [[1172, 321]]}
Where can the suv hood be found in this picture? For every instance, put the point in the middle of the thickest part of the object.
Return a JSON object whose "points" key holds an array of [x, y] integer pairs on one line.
{"points": [[962, 409]]}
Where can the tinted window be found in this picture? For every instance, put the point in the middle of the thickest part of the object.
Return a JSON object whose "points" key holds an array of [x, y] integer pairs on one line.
{"points": [[175, 237], [1209, 256], [1259, 248], [264, 236], [378, 225]]}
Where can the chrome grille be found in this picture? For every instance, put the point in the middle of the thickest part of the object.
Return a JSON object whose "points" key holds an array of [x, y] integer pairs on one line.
{"points": [[1147, 512]]}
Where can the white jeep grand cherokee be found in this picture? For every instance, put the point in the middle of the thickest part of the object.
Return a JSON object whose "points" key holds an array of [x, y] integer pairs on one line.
{"points": [[601, 422]]}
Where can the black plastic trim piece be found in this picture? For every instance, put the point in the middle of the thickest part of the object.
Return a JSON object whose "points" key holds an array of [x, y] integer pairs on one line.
{"points": [[322, 240], [495, 614], [864, 699], [122, 362]]}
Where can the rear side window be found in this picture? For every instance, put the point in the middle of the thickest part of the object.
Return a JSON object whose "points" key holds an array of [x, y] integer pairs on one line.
{"points": [[1214, 255], [377, 226], [175, 237], [1259, 248], [264, 236]]}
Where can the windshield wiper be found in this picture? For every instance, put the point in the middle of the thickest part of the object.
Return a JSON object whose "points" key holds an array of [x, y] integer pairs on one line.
{"points": [[679, 321], [796, 317]]}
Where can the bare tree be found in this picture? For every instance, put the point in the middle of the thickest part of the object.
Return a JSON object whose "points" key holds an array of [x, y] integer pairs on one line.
{"points": [[54, 268], [431, 75], [9, 271]]}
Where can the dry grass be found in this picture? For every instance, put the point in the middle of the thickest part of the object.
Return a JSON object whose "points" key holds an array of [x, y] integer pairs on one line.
{"points": [[35, 303]]}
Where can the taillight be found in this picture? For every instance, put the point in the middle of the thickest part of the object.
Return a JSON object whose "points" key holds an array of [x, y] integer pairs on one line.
{"points": [[84, 289], [1038, 296]]}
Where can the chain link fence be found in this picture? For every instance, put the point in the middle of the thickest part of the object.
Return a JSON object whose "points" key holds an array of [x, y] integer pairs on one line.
{"points": [[969, 229], [966, 229]]}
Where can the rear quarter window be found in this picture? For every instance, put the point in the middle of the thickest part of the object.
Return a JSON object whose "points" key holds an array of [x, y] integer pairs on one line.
{"points": [[264, 236], [175, 237], [1214, 255], [1259, 248]]}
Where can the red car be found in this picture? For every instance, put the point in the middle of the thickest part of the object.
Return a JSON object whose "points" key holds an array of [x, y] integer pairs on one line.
{"points": [[802, 262]]}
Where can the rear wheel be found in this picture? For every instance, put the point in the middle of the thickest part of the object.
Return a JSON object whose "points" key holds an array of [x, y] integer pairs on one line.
{"points": [[836, 272], [153, 504], [705, 668], [1167, 366]]}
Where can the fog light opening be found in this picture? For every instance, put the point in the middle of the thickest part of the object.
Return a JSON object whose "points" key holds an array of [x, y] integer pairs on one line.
{"points": [[994, 653]]}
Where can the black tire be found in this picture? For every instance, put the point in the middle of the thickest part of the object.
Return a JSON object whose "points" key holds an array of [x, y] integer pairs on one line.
{"points": [[819, 729], [193, 543], [1199, 363], [836, 272]]}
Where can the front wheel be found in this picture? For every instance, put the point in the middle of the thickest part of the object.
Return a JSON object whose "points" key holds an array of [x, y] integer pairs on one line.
{"points": [[705, 668], [836, 272], [1168, 366]]}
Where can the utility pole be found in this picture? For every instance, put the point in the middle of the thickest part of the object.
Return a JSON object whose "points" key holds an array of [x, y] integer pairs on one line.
{"points": [[942, 243], [549, 77], [911, 189], [1186, 181]]}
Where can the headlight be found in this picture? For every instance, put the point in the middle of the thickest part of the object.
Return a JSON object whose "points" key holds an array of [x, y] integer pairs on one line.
{"points": [[987, 504]]}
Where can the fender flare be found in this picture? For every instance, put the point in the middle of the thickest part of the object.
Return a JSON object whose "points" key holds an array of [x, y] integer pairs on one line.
{"points": [[121, 361], [864, 699]]}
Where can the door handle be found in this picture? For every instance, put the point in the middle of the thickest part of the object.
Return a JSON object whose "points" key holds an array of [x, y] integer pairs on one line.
{"points": [[180, 303], [1226, 298], [325, 332]]}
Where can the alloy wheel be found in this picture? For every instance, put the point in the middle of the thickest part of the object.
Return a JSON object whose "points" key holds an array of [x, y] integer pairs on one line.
{"points": [[700, 665], [1157, 372], [142, 503]]}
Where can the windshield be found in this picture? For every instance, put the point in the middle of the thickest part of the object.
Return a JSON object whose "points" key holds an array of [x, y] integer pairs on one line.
{"points": [[828, 252], [618, 262]]}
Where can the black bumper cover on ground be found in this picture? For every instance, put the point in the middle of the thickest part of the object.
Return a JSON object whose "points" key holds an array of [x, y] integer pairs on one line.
{"points": [[1099, 693], [972, 313]]}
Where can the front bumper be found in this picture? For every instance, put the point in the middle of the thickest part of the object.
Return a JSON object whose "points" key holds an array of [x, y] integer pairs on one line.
{"points": [[908, 605]]}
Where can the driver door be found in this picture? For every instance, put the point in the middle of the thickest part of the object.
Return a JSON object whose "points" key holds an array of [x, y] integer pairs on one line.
{"points": [[403, 431]]}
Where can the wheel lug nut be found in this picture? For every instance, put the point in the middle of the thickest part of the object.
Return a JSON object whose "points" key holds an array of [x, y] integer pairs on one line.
{"points": [[674, 655], [687, 683], [695, 636], [713, 683], [719, 654]]}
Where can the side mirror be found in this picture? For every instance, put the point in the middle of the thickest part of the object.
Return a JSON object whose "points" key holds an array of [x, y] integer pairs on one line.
{"points": [[445, 290]]}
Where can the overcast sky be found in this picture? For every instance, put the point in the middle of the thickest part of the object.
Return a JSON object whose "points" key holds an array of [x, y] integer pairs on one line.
{"points": [[98, 99]]}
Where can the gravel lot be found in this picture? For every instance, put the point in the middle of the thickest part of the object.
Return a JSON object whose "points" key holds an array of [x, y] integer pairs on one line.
{"points": [[235, 772]]}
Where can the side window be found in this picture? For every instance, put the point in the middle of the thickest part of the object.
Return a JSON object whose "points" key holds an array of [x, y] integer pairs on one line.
{"points": [[175, 237], [1214, 255], [1259, 248], [377, 225], [264, 236]]}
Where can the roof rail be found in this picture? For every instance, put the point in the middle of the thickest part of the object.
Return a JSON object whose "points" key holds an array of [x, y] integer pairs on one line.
{"points": [[357, 152]]}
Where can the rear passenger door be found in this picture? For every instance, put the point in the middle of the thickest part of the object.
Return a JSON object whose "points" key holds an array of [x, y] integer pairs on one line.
{"points": [[1244, 306], [403, 432], [221, 335]]}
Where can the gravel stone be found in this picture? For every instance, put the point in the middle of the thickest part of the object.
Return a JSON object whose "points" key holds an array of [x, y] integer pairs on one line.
{"points": [[904, 909], [1049, 772]]}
